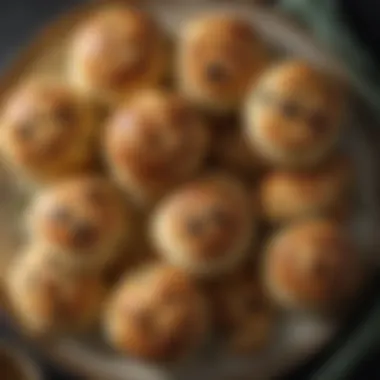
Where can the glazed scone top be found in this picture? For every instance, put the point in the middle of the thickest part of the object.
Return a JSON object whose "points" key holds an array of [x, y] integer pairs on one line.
{"points": [[118, 49], [219, 57], [206, 226], [154, 141], [45, 299], [156, 313], [287, 195], [46, 127], [312, 265], [294, 114], [85, 217]]}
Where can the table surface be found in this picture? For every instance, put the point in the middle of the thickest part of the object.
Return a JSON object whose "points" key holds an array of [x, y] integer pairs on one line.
{"points": [[21, 19]]}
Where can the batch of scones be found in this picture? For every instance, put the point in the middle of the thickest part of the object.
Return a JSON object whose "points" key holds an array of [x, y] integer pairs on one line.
{"points": [[206, 141]]}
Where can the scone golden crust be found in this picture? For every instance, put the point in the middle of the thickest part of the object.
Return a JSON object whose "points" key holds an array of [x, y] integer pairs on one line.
{"points": [[116, 51], [242, 311], [289, 195], [312, 265], [294, 114], [157, 314], [205, 227], [46, 131], [219, 58], [153, 143], [83, 220], [46, 301]]}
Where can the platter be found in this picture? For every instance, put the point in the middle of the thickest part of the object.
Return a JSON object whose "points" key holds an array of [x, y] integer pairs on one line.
{"points": [[298, 335]]}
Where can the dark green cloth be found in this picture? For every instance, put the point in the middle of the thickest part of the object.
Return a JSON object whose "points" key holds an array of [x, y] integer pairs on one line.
{"points": [[361, 341]]}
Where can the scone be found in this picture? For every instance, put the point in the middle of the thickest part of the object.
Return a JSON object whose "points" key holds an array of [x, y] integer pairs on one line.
{"points": [[243, 313], [219, 57], [47, 131], [46, 300], [153, 143], [156, 314], [116, 51], [293, 116], [205, 227], [286, 196], [312, 266], [84, 221]]}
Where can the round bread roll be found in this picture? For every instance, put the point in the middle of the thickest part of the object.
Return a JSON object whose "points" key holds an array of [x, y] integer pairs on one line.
{"points": [[46, 131], [206, 227], [83, 220], [116, 51], [153, 143], [45, 300], [294, 115], [219, 57], [312, 265], [242, 311], [156, 314], [289, 195]]}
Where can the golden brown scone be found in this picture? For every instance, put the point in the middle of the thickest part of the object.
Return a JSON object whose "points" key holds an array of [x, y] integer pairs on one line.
{"points": [[116, 51], [219, 58], [84, 221], [294, 115], [46, 300], [157, 314], [205, 227], [289, 195], [312, 265], [153, 143], [47, 131], [242, 311]]}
